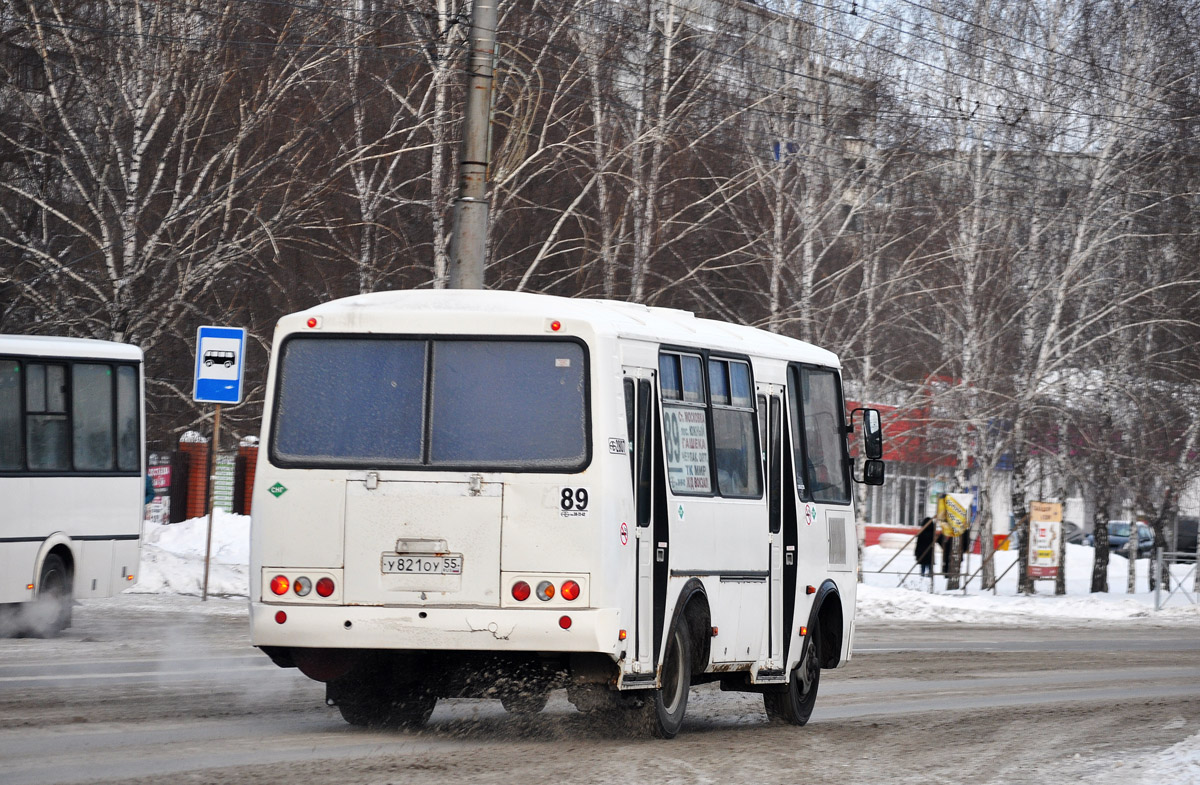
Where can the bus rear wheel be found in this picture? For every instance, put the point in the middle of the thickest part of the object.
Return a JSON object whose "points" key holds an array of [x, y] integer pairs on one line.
{"points": [[794, 703], [51, 611], [524, 702], [664, 714], [387, 711]]}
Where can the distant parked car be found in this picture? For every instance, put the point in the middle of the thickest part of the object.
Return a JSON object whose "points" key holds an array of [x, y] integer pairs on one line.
{"points": [[1073, 534], [1118, 538]]}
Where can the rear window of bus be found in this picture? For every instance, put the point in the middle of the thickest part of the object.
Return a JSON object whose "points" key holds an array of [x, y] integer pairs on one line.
{"points": [[431, 403]]}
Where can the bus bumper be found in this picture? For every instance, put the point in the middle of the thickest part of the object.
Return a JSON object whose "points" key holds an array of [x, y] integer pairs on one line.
{"points": [[431, 629]]}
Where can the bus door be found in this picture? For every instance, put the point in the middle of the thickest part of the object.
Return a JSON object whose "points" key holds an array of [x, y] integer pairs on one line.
{"points": [[640, 419], [770, 411], [822, 484]]}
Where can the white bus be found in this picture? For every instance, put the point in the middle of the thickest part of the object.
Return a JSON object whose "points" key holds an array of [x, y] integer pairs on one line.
{"points": [[71, 476], [492, 494]]}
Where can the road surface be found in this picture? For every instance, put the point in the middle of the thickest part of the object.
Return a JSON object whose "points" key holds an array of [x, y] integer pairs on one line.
{"points": [[158, 690]]}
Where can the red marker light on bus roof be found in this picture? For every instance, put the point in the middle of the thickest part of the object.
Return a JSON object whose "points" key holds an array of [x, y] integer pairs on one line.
{"points": [[313, 322], [556, 325], [279, 585]]}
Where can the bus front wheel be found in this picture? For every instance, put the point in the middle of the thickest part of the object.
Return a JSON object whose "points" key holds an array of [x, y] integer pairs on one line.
{"points": [[664, 714], [794, 703], [51, 611]]}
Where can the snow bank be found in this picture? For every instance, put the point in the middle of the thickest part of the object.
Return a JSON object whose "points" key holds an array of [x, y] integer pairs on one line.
{"points": [[1179, 764], [173, 557]]}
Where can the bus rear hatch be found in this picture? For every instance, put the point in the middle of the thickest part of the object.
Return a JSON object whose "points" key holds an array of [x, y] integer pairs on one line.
{"points": [[423, 542]]}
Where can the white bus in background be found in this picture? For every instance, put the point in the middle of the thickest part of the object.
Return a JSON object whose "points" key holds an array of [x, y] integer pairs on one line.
{"points": [[493, 494], [72, 486]]}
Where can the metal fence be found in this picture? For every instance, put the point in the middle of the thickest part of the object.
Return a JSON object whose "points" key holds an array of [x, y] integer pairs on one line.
{"points": [[1186, 588]]}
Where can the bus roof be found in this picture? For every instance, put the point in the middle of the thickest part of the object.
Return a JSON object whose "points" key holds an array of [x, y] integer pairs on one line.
{"points": [[610, 317], [59, 346]]}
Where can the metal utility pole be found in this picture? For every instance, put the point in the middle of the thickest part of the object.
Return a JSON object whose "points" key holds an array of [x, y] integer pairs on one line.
{"points": [[468, 243]]}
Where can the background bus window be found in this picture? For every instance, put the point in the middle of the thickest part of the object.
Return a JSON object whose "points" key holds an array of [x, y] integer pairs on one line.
{"points": [[350, 401], [10, 416], [46, 427], [511, 404], [92, 417], [128, 433], [738, 459]]}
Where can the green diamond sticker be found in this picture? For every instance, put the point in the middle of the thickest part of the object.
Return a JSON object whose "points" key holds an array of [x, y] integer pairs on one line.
{"points": [[681, 512], [277, 490]]}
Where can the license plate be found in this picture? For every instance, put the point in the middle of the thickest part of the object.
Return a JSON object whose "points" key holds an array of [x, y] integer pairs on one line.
{"points": [[444, 564]]}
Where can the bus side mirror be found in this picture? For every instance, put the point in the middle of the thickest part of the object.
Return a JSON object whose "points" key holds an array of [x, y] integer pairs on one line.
{"points": [[873, 473], [872, 430]]}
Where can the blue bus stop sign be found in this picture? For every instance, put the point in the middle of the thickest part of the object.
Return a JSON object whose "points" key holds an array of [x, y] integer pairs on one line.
{"points": [[219, 364]]}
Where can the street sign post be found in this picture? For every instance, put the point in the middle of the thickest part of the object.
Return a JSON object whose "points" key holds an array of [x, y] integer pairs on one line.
{"points": [[220, 360]]}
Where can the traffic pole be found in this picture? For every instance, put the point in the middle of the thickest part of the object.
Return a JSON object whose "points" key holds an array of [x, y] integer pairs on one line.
{"points": [[468, 243], [212, 486]]}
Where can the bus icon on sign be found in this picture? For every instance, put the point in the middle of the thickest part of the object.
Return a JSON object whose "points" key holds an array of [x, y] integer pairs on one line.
{"points": [[220, 358]]}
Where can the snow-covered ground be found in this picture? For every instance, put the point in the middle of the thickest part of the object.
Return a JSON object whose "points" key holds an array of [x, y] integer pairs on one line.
{"points": [[887, 595], [173, 565]]}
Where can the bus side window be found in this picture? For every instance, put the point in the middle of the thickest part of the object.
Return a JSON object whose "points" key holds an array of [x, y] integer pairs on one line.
{"points": [[775, 476], [629, 430], [739, 460], [825, 462], [47, 438], [685, 424], [10, 416], [645, 451], [92, 434], [762, 428], [128, 434]]}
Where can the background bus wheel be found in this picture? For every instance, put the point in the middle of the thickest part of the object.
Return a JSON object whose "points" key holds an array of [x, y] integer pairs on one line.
{"points": [[51, 612], [794, 703], [665, 713], [524, 702]]}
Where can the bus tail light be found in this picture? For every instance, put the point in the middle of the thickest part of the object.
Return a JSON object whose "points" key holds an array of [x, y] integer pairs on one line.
{"points": [[520, 591], [564, 622], [325, 587], [279, 585], [545, 591], [280, 617], [570, 590], [302, 586]]}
